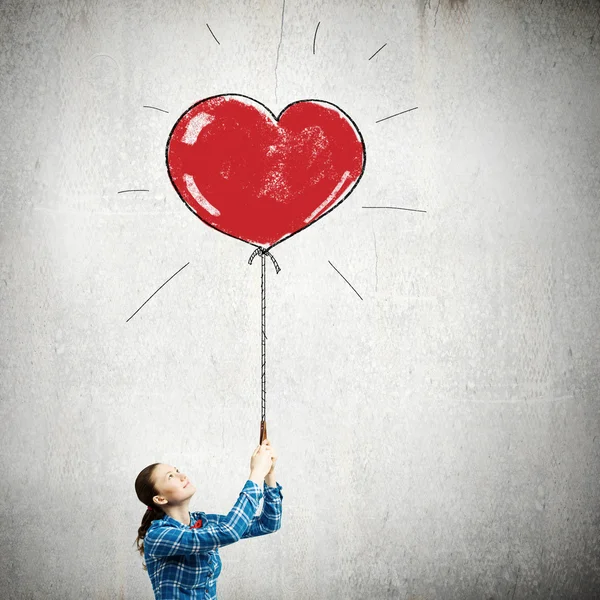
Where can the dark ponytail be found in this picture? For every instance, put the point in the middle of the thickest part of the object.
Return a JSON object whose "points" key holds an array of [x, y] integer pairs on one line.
{"points": [[144, 488]]}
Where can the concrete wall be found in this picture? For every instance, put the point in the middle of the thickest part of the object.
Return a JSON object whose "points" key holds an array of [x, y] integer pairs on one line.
{"points": [[438, 438]]}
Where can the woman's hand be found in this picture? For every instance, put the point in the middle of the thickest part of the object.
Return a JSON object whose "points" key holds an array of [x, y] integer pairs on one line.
{"points": [[260, 463], [273, 455]]}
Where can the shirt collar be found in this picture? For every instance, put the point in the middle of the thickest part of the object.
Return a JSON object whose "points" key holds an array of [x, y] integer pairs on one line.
{"points": [[171, 521]]}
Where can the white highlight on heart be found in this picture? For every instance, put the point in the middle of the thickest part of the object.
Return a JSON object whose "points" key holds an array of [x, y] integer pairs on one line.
{"points": [[198, 197], [329, 198], [194, 127]]}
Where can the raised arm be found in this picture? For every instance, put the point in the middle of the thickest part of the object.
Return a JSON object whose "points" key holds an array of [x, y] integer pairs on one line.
{"points": [[172, 541], [269, 519]]}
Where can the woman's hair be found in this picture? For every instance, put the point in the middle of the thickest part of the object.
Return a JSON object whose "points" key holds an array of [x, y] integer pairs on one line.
{"points": [[145, 490]]}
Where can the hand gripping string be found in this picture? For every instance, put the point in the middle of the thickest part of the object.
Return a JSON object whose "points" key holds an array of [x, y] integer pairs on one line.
{"points": [[263, 338]]}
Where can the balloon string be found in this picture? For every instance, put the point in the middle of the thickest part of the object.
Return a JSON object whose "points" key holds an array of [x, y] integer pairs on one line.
{"points": [[263, 314]]}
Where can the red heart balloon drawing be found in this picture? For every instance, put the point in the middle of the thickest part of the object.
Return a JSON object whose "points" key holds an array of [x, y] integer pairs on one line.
{"points": [[261, 178]]}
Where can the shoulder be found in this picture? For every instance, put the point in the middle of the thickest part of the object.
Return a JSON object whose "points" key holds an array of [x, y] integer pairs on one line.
{"points": [[159, 524], [206, 518]]}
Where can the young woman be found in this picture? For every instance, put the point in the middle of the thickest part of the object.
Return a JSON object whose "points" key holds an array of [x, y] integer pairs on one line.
{"points": [[181, 548]]}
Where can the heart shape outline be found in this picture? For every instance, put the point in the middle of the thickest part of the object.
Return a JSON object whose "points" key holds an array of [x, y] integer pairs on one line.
{"points": [[259, 106]]}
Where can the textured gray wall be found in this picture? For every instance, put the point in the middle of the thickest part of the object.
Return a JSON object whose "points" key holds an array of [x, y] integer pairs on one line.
{"points": [[438, 439]]}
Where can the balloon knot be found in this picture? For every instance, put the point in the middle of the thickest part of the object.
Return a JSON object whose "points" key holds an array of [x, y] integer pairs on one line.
{"points": [[264, 252]]}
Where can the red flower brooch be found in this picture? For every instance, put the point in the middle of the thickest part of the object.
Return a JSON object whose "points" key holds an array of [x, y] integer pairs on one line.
{"points": [[197, 524]]}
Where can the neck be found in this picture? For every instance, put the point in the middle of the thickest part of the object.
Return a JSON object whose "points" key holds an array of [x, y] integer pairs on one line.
{"points": [[180, 512]]}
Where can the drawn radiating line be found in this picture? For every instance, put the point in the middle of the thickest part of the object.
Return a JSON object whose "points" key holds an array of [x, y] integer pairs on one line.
{"points": [[315, 38], [279, 47], [165, 283], [345, 280], [400, 113], [216, 40], [155, 108], [382, 47], [396, 208], [123, 191]]}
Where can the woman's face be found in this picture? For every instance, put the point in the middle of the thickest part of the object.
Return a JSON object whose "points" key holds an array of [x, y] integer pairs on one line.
{"points": [[171, 485]]}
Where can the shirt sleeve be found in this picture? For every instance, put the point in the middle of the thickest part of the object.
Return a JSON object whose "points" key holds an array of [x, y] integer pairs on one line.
{"points": [[269, 520], [173, 541]]}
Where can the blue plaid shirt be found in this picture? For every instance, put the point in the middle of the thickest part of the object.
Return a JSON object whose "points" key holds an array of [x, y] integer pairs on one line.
{"points": [[184, 563]]}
